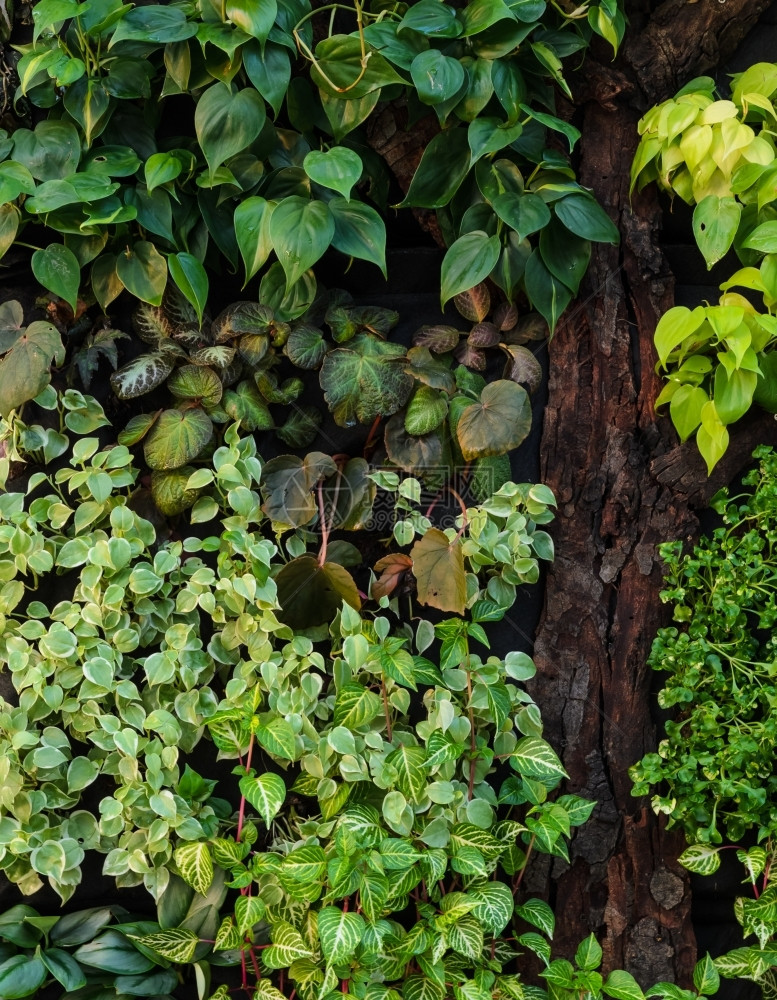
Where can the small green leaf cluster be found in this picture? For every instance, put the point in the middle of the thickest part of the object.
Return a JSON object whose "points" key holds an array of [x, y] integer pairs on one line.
{"points": [[715, 766], [704, 150], [718, 360], [273, 171]]}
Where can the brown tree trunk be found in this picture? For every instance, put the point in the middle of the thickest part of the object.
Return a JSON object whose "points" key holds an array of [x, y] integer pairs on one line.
{"points": [[622, 487]]}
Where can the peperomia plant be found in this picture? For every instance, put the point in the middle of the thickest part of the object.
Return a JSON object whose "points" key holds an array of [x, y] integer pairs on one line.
{"points": [[277, 164]]}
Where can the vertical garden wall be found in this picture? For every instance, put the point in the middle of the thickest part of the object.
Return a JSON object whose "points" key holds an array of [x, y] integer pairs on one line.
{"points": [[335, 353]]}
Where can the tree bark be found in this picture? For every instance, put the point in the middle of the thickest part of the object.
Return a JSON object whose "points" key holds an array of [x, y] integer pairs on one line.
{"points": [[623, 486]]}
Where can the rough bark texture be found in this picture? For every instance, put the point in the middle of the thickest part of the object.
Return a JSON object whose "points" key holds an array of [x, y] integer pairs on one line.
{"points": [[622, 488]]}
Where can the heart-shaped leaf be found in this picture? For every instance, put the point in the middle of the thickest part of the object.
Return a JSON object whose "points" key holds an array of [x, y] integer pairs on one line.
{"points": [[176, 438], [58, 270], [227, 122], [338, 168], [438, 566], [300, 230], [497, 423], [311, 594]]}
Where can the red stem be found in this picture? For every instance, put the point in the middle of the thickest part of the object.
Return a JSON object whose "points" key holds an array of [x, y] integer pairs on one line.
{"points": [[241, 814]]}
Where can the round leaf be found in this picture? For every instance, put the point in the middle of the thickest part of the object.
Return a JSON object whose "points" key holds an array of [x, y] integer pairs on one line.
{"points": [[497, 423], [176, 438]]}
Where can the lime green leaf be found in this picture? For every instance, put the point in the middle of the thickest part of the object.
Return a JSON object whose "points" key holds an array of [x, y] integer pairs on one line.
{"points": [[701, 859], [622, 985], [176, 944], [534, 758], [674, 327], [715, 224], [712, 437]]}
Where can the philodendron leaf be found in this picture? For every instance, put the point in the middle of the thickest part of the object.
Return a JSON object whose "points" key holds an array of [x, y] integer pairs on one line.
{"points": [[58, 270], [364, 380], [715, 224], [338, 169], [438, 566], [359, 231], [170, 492], [142, 374], [227, 122], [177, 437], [143, 272], [301, 230], [190, 277], [468, 261], [25, 371], [311, 594], [496, 424], [252, 229]]}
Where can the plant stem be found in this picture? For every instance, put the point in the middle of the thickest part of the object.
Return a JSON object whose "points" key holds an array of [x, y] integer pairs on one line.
{"points": [[386, 705], [241, 814]]}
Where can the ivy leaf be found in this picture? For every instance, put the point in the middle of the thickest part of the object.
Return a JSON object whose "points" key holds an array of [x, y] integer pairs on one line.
{"points": [[438, 566], [359, 231], [288, 482], [585, 217], [176, 438], [265, 792], [195, 866], [339, 933], [496, 424], [364, 380], [311, 594], [227, 122]]}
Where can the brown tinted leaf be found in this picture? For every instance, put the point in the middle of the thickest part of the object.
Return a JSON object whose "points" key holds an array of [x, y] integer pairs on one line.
{"points": [[412, 453], [523, 367], [437, 338], [438, 566], [474, 303], [391, 568], [483, 335], [470, 356], [429, 370], [287, 483], [505, 315], [528, 328]]}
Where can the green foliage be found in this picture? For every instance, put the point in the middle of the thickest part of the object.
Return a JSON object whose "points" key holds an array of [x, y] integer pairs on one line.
{"points": [[718, 155], [276, 169], [716, 762], [718, 361], [27, 354]]}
